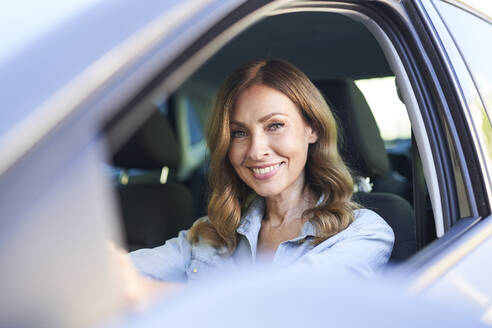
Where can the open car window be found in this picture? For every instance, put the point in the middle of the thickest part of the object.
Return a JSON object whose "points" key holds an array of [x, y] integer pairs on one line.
{"points": [[341, 56]]}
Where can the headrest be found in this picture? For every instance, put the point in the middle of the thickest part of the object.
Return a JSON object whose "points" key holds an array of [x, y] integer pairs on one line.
{"points": [[361, 147], [153, 146]]}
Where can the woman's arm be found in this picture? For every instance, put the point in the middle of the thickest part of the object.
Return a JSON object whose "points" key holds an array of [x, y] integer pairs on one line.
{"points": [[165, 263], [150, 272], [138, 290]]}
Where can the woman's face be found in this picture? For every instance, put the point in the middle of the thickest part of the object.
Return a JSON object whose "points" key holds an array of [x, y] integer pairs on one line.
{"points": [[269, 141]]}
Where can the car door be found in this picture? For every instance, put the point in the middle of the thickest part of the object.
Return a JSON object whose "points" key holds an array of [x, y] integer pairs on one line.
{"points": [[103, 105], [460, 272], [58, 210], [451, 165]]}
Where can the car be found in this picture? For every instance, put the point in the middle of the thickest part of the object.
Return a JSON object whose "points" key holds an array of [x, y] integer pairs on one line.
{"points": [[103, 124]]}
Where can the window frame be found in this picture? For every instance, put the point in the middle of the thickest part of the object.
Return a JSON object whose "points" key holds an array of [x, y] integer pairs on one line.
{"points": [[415, 48]]}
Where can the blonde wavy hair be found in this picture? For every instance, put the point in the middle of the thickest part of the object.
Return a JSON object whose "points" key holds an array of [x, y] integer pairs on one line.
{"points": [[325, 173]]}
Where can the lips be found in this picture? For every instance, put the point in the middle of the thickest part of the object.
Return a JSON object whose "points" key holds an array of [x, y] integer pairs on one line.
{"points": [[266, 171]]}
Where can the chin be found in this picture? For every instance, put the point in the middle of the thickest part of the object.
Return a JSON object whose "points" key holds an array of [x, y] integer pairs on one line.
{"points": [[265, 192]]}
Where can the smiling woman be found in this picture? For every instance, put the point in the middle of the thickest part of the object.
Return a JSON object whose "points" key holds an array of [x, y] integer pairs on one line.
{"points": [[280, 192], [275, 114], [264, 143]]}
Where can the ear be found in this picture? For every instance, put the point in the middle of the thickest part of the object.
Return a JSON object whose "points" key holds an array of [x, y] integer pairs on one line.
{"points": [[311, 135]]}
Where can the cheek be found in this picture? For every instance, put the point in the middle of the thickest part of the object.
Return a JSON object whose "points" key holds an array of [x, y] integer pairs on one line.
{"points": [[291, 145]]}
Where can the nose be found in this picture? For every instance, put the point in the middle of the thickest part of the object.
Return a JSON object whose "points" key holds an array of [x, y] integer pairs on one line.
{"points": [[258, 147]]}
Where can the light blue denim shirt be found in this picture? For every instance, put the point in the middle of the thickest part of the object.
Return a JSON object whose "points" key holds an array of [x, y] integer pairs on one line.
{"points": [[362, 248]]}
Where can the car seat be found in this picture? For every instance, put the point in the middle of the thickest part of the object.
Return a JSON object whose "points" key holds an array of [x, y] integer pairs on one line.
{"points": [[154, 206], [363, 150], [362, 146], [185, 106]]}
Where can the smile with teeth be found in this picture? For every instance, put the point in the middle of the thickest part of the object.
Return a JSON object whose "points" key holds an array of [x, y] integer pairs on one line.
{"points": [[265, 170]]}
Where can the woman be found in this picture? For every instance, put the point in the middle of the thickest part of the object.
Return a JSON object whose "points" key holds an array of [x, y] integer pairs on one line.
{"points": [[280, 193]]}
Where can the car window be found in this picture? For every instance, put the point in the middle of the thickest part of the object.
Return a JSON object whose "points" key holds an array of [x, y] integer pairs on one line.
{"points": [[334, 40], [392, 119], [388, 110]]}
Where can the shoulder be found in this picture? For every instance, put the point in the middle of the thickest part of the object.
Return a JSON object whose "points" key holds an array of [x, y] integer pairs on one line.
{"points": [[202, 249], [367, 230], [371, 228], [367, 221], [366, 244], [370, 235], [368, 224], [203, 219]]}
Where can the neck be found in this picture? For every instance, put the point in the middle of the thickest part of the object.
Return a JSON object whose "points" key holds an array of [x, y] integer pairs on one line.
{"points": [[288, 207]]}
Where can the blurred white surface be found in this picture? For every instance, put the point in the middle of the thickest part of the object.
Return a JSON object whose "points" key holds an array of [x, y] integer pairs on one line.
{"points": [[300, 299], [55, 271], [23, 21]]}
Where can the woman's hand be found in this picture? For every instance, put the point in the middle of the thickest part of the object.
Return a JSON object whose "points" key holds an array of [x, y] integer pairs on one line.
{"points": [[138, 291]]}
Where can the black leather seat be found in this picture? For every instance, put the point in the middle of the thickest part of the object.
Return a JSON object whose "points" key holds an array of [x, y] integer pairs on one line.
{"points": [[400, 216], [363, 149], [153, 210]]}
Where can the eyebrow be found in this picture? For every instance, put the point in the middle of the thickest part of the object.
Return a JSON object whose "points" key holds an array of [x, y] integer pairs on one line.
{"points": [[267, 117], [261, 120]]}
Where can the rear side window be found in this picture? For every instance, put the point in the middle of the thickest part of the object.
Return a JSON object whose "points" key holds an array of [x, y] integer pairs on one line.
{"points": [[388, 110]]}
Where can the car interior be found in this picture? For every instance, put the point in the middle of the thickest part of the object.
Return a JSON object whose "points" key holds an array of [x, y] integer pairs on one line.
{"points": [[160, 171]]}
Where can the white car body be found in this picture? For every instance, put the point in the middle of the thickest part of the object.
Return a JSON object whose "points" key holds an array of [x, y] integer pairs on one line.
{"points": [[62, 90]]}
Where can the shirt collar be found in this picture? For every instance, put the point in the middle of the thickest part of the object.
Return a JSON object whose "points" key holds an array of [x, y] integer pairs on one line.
{"points": [[308, 230], [251, 219]]}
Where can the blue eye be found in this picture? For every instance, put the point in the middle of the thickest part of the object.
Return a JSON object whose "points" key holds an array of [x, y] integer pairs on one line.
{"points": [[238, 134], [275, 126]]}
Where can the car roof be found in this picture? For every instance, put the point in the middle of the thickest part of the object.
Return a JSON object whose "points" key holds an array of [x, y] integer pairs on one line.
{"points": [[323, 45]]}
